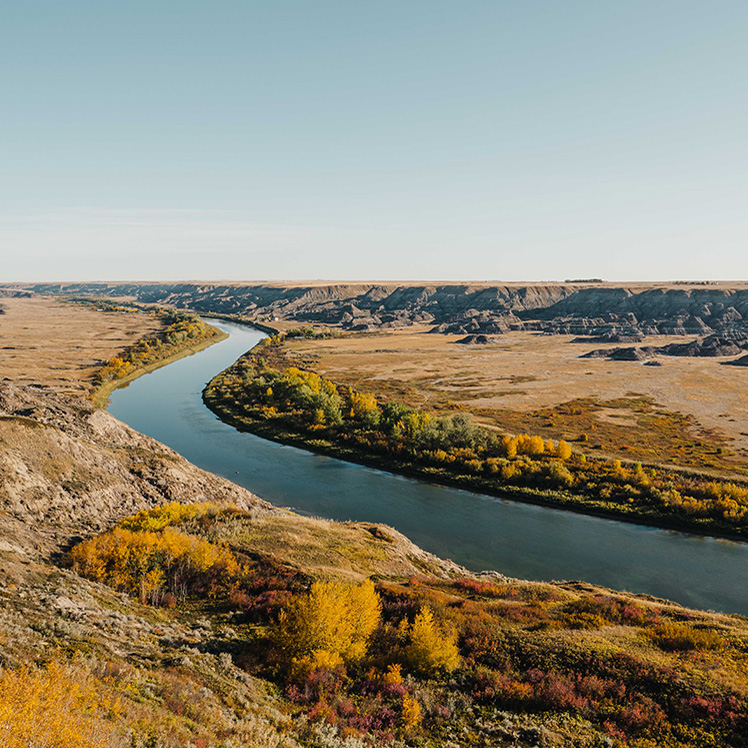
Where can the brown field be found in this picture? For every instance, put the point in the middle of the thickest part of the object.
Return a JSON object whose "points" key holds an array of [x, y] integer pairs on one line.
{"points": [[51, 342], [689, 411]]}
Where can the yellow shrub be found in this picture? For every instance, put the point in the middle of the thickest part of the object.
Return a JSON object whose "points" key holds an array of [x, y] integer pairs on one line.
{"points": [[509, 446], [675, 637], [143, 563], [53, 708], [173, 514], [536, 445], [364, 407], [509, 471], [411, 714], [563, 450], [394, 674]]}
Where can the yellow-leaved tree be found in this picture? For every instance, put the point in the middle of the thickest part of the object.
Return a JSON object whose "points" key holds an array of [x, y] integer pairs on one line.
{"points": [[564, 450], [430, 649], [150, 563], [328, 626], [364, 408], [55, 707]]}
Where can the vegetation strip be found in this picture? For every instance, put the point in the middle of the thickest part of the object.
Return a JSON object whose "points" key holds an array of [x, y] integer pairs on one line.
{"points": [[184, 334], [301, 408], [425, 660]]}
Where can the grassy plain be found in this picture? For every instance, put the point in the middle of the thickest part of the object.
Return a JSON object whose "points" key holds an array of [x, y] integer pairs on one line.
{"points": [[690, 412], [47, 341]]}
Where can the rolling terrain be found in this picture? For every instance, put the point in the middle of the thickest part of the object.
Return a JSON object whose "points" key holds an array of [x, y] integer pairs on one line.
{"points": [[174, 654]]}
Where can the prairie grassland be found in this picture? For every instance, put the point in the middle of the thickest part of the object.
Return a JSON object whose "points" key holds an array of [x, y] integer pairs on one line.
{"points": [[691, 412], [47, 341]]}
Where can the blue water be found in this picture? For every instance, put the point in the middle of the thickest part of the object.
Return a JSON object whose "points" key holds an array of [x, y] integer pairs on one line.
{"points": [[478, 531]]}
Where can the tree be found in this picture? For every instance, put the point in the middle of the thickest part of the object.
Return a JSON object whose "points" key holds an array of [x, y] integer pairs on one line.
{"points": [[536, 445], [509, 446], [564, 450], [329, 626], [430, 648], [364, 408]]}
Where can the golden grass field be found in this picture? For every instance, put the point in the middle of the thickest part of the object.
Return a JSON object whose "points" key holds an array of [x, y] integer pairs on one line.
{"points": [[51, 342], [524, 382]]}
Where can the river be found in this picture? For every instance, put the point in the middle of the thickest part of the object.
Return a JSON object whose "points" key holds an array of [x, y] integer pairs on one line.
{"points": [[478, 531]]}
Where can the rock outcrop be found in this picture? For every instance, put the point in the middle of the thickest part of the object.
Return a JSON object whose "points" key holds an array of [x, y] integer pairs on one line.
{"points": [[712, 346], [742, 361], [607, 313], [69, 469], [475, 340]]}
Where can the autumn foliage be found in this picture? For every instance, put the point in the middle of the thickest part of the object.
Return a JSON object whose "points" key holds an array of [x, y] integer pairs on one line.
{"points": [[327, 627], [182, 329], [296, 403], [54, 707], [159, 517], [430, 649], [417, 660], [151, 564]]}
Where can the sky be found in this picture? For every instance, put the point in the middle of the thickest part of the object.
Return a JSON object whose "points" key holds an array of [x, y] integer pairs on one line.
{"points": [[389, 140]]}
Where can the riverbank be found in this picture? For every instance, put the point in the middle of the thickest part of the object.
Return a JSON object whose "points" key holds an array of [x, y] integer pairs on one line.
{"points": [[521, 539], [100, 395], [473, 483], [352, 426], [184, 335]]}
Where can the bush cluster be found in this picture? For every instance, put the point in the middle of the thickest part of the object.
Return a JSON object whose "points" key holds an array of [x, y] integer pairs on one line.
{"points": [[417, 660], [182, 329]]}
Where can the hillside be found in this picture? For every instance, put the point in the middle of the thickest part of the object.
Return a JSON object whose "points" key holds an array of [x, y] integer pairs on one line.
{"points": [[68, 471], [535, 664], [563, 308], [147, 603]]}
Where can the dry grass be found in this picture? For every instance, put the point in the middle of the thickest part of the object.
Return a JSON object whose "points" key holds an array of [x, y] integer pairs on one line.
{"points": [[517, 381], [47, 341], [355, 550]]}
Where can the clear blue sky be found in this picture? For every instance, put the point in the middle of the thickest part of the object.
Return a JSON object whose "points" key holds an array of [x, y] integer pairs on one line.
{"points": [[521, 140]]}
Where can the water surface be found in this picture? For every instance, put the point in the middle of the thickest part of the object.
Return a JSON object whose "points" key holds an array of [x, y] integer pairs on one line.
{"points": [[478, 531]]}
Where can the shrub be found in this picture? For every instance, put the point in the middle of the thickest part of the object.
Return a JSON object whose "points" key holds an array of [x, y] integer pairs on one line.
{"points": [[679, 637], [174, 514], [53, 708], [364, 408], [150, 564], [411, 712], [328, 626]]}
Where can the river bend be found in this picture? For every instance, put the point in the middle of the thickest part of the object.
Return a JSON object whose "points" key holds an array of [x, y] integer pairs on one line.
{"points": [[478, 531]]}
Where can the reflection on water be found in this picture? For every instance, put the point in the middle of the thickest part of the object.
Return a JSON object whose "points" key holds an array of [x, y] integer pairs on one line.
{"points": [[478, 531]]}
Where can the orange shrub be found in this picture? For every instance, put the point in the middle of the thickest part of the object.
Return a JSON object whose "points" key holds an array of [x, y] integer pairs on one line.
{"points": [[149, 564]]}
